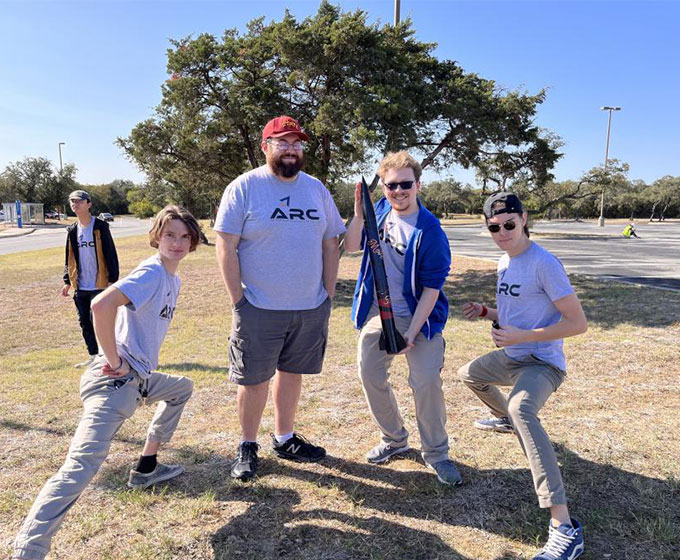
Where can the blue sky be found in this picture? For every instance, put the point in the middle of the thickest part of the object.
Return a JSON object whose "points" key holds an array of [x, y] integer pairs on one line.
{"points": [[86, 72]]}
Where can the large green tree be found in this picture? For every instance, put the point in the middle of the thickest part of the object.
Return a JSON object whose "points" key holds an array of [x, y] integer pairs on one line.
{"points": [[359, 90]]}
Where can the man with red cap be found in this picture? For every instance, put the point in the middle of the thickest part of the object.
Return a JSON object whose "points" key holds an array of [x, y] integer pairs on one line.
{"points": [[277, 248]]}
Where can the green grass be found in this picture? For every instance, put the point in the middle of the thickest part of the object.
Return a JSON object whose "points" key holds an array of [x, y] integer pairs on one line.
{"points": [[613, 422]]}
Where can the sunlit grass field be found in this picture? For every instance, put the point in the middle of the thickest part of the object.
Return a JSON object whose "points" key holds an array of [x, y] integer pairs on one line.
{"points": [[614, 423]]}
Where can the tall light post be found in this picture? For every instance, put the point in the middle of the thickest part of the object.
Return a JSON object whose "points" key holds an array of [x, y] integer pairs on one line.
{"points": [[61, 166], [600, 222], [397, 10]]}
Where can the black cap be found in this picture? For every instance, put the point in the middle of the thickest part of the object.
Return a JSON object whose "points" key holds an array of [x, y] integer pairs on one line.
{"points": [[502, 203]]}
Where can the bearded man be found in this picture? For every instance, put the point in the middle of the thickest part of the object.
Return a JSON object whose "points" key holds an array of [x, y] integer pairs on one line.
{"points": [[277, 249]]}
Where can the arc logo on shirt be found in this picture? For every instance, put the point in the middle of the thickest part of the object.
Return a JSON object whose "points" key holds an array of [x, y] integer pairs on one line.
{"points": [[83, 243], [505, 289], [284, 211], [392, 240], [168, 311]]}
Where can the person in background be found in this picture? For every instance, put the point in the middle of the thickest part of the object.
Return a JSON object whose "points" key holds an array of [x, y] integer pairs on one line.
{"points": [[91, 264]]}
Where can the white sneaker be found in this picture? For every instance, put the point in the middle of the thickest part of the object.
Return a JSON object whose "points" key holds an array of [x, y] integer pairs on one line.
{"points": [[86, 363]]}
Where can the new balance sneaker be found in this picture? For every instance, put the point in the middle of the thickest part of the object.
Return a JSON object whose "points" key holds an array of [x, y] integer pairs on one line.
{"points": [[564, 542], [244, 466], [298, 448], [383, 451], [87, 362], [447, 473], [502, 425], [161, 473]]}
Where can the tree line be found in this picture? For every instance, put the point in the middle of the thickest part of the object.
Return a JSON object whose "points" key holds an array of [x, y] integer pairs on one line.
{"points": [[35, 179], [359, 90]]}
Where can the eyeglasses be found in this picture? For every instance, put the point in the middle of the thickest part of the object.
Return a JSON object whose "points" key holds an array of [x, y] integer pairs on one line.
{"points": [[282, 145], [405, 185], [509, 226]]}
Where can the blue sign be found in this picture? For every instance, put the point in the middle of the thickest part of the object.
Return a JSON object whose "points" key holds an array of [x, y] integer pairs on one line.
{"points": [[18, 205]]}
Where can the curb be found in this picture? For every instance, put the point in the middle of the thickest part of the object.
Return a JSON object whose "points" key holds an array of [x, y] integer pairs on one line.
{"points": [[16, 234]]}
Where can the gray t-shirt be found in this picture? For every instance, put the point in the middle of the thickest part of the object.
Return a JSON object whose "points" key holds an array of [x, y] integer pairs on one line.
{"points": [[527, 286], [142, 324], [282, 225], [394, 237], [87, 259]]}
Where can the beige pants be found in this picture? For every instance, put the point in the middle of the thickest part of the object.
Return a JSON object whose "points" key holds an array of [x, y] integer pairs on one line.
{"points": [[107, 404], [425, 362], [532, 382]]}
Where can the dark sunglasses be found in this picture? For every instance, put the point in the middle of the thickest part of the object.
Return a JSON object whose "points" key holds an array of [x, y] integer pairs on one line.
{"points": [[405, 185], [509, 225]]}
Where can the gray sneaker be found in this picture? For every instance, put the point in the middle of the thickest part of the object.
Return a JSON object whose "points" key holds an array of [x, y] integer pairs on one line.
{"points": [[162, 472], [383, 451], [447, 473], [502, 425]]}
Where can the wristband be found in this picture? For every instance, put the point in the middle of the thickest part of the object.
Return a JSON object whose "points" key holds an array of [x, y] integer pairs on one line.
{"points": [[120, 365], [485, 310]]}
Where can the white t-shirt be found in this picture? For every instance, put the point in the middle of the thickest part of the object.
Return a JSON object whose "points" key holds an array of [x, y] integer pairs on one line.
{"points": [[282, 225], [527, 286], [87, 258], [394, 237], [142, 324]]}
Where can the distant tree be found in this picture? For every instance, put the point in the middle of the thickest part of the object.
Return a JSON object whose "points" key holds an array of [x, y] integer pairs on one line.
{"points": [[110, 197], [147, 199], [35, 180], [664, 197]]}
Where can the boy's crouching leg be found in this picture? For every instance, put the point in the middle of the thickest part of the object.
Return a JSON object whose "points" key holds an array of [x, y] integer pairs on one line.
{"points": [[172, 393], [89, 447]]}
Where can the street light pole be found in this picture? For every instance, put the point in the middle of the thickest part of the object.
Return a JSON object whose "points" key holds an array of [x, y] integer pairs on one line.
{"points": [[600, 221], [61, 166], [397, 9]]}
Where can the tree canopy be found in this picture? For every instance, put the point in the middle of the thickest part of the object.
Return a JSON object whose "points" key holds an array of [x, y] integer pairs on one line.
{"points": [[358, 89]]}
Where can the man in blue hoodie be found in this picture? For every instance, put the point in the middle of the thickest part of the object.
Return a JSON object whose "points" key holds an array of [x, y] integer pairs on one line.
{"points": [[417, 262]]}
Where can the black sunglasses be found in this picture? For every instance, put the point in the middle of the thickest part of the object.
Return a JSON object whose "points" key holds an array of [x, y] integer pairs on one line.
{"points": [[405, 185], [509, 225]]}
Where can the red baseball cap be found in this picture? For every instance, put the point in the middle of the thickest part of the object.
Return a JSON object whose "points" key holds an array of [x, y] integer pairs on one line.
{"points": [[280, 126]]}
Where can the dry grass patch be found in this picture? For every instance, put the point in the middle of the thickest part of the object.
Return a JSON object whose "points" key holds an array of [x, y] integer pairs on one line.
{"points": [[614, 424]]}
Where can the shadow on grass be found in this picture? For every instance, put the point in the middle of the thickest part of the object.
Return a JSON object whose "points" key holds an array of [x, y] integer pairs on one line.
{"points": [[344, 292], [195, 366], [606, 304], [625, 515]]}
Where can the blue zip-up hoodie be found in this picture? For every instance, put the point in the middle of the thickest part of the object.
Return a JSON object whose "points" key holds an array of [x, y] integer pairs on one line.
{"points": [[427, 264]]}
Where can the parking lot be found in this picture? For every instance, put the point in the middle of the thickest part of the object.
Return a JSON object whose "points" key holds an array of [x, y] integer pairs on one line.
{"points": [[585, 248]]}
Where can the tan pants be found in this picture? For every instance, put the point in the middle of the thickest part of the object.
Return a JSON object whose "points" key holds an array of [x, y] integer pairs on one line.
{"points": [[532, 382], [425, 362], [107, 404]]}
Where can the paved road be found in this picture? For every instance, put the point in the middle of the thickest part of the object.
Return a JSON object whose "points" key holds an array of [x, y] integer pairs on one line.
{"points": [[45, 238], [587, 249]]}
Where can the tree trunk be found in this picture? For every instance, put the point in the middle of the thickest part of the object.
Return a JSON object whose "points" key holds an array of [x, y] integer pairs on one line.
{"points": [[250, 150]]}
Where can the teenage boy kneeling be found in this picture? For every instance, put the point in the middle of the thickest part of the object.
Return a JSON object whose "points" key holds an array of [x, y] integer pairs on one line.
{"points": [[536, 309], [131, 319]]}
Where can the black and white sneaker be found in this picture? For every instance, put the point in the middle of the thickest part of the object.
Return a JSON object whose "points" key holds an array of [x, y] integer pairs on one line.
{"points": [[502, 425], [244, 466], [298, 448]]}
